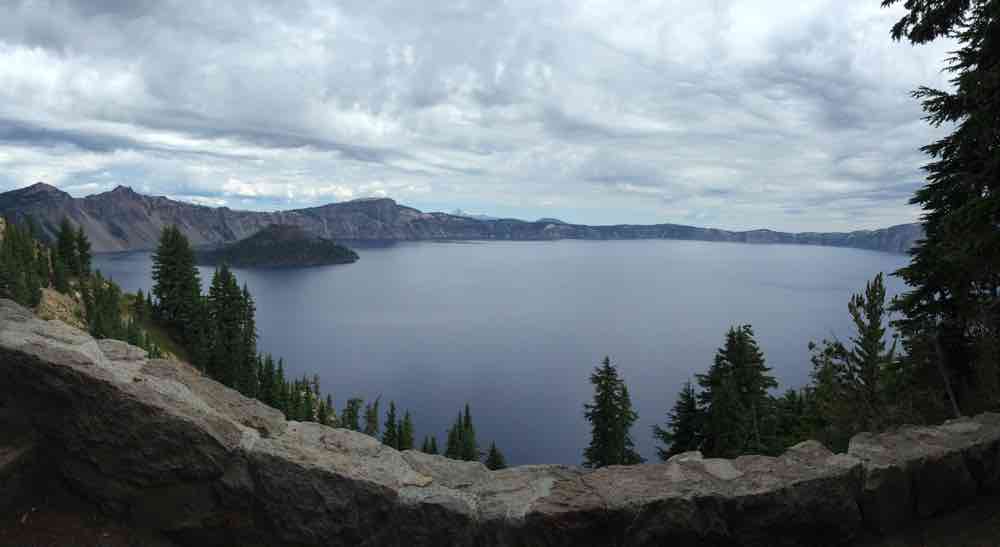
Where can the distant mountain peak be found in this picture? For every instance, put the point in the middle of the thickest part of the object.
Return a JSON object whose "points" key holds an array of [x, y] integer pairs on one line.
{"points": [[41, 188], [371, 200], [122, 189]]}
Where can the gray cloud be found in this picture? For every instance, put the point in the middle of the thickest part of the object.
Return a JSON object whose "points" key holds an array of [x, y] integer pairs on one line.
{"points": [[789, 115]]}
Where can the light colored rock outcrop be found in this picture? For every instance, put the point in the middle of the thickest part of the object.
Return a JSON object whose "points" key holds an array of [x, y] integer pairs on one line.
{"points": [[55, 305], [157, 443]]}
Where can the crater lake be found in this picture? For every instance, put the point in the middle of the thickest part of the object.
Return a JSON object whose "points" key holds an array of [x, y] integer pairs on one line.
{"points": [[515, 328]]}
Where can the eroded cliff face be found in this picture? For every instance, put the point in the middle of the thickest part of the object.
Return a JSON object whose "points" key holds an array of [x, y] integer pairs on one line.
{"points": [[124, 220], [169, 450]]}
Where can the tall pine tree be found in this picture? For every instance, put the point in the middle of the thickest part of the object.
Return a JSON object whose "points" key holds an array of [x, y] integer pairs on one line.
{"points": [[495, 459], [611, 417], [734, 396], [177, 288], [953, 306], [406, 432], [83, 251], [684, 424], [390, 431]]}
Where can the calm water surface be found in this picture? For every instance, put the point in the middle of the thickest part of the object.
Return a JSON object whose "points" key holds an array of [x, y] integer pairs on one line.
{"points": [[516, 327]]}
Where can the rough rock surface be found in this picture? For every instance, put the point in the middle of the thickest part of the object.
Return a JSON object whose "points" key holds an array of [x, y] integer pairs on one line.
{"points": [[156, 443], [919, 472], [55, 305]]}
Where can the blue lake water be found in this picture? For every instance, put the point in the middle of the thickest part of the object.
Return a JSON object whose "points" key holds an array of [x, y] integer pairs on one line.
{"points": [[515, 328]]}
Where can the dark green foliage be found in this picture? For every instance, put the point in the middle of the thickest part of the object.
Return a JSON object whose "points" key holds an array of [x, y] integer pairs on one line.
{"points": [[231, 346], [390, 431], [405, 437], [684, 425], [66, 247], [20, 268], [951, 315], [611, 417], [248, 381], [794, 418], [177, 288], [461, 444], [494, 459], [371, 417], [60, 274], [351, 415], [82, 252], [470, 448], [453, 447], [430, 445], [854, 388], [279, 245], [103, 308], [226, 318], [734, 398]]}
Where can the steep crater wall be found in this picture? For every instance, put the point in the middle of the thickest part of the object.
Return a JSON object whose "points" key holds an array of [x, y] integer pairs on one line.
{"points": [[156, 443]]}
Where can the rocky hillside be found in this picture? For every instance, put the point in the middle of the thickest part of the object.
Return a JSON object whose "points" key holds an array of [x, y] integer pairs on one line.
{"points": [[164, 449], [123, 220]]}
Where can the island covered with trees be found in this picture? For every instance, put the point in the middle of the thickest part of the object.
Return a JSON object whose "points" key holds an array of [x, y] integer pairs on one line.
{"points": [[277, 246]]}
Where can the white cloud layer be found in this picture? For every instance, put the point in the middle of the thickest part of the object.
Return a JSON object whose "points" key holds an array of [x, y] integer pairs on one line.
{"points": [[792, 115]]}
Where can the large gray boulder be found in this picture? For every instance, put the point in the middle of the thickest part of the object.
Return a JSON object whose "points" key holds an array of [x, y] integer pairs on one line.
{"points": [[157, 443]]}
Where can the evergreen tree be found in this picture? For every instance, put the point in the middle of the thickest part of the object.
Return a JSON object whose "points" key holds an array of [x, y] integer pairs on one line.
{"points": [[352, 414], [177, 288], [390, 432], [66, 247], [308, 401], [322, 413], [20, 277], [60, 275], [430, 445], [406, 432], [280, 396], [265, 373], [851, 385], [470, 448], [83, 251], [684, 425], [454, 448], [248, 349], [139, 312], [611, 417], [226, 310], [103, 309], [494, 459], [953, 306], [371, 417], [734, 397]]}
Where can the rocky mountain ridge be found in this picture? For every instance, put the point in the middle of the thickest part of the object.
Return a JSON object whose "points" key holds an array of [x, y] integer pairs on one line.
{"points": [[124, 220]]}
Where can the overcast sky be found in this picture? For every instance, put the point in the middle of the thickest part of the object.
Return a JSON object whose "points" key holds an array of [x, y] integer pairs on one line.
{"points": [[792, 115]]}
